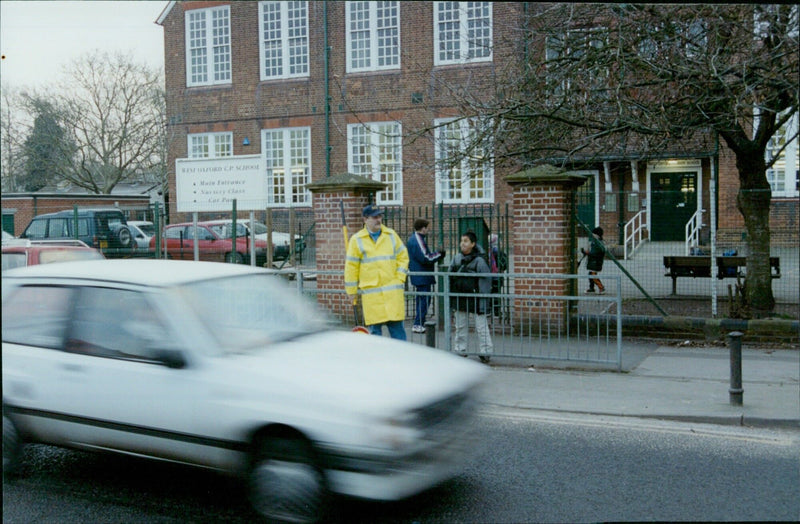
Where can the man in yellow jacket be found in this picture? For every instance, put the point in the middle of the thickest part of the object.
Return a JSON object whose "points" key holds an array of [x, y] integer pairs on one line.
{"points": [[375, 270]]}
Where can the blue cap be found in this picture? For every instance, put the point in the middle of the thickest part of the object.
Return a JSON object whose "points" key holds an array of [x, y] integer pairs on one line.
{"points": [[371, 211]]}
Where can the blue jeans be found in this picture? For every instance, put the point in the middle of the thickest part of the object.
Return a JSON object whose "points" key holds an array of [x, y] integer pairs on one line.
{"points": [[396, 329], [422, 304]]}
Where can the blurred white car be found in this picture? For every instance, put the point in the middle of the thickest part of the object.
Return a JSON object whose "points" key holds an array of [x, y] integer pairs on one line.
{"points": [[224, 366], [142, 232]]}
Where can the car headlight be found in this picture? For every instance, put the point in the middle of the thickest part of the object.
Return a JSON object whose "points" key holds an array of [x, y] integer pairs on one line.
{"points": [[396, 434]]}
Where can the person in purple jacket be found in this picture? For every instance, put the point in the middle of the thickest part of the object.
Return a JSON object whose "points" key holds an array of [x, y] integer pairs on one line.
{"points": [[421, 258]]}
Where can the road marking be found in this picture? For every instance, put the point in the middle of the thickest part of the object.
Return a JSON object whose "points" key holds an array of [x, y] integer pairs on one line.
{"points": [[786, 437]]}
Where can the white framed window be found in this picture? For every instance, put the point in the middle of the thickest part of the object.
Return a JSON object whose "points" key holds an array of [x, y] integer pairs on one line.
{"points": [[782, 152], [462, 32], [208, 46], [210, 145], [373, 36], [566, 63], [464, 171], [283, 37], [375, 151], [287, 155]]}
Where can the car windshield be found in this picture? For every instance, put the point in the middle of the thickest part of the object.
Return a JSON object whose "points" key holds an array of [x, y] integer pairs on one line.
{"points": [[259, 228], [251, 311], [147, 229]]}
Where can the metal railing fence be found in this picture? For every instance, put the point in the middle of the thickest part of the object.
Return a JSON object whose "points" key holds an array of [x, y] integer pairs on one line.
{"points": [[531, 326]]}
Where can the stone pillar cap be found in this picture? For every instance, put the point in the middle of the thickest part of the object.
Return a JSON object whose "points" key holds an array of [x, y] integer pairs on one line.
{"points": [[545, 173], [346, 182]]}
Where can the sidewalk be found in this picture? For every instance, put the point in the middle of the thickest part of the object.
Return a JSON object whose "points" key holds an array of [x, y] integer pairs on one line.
{"points": [[672, 383]]}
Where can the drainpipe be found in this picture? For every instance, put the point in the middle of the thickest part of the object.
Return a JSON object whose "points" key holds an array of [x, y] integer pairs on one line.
{"points": [[327, 92]]}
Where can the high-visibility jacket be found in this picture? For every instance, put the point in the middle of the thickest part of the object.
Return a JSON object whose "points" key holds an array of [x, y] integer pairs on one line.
{"points": [[377, 272]]}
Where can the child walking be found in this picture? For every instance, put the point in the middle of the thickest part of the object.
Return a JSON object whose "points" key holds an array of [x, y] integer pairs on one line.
{"points": [[594, 264]]}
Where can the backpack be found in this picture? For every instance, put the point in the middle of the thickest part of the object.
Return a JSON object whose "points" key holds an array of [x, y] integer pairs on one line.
{"points": [[468, 284]]}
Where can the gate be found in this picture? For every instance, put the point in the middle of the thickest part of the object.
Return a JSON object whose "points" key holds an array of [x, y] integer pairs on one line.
{"points": [[525, 326]]}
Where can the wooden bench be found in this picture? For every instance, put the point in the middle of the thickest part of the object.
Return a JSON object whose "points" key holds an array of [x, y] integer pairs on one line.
{"points": [[700, 266]]}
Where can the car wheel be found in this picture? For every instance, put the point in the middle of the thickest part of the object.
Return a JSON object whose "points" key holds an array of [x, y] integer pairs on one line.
{"points": [[124, 237], [234, 258], [12, 446], [286, 483]]}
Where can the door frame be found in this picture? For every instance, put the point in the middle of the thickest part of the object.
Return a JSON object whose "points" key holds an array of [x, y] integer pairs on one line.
{"points": [[681, 165]]}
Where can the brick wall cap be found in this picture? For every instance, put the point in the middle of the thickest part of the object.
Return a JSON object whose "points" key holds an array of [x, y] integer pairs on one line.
{"points": [[346, 182], [545, 174]]}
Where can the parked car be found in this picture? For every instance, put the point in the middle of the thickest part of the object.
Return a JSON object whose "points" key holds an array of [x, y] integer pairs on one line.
{"points": [[226, 367], [280, 241], [101, 228], [213, 245], [142, 231], [23, 252], [7, 236]]}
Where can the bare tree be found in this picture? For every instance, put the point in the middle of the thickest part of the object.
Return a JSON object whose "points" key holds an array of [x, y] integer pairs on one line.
{"points": [[13, 129], [635, 81], [113, 110]]}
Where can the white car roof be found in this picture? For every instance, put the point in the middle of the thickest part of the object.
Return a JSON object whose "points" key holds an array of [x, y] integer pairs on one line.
{"points": [[141, 271]]}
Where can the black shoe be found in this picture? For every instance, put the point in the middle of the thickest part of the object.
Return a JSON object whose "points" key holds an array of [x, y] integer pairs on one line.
{"points": [[485, 360]]}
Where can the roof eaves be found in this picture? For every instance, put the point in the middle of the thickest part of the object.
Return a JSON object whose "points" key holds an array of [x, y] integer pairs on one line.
{"points": [[165, 12]]}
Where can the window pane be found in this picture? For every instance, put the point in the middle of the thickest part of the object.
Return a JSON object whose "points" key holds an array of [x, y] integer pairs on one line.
{"points": [[39, 316]]}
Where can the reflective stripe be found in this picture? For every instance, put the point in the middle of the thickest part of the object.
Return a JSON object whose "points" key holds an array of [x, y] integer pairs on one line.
{"points": [[351, 284], [360, 244], [402, 270], [353, 259], [393, 287], [381, 258]]}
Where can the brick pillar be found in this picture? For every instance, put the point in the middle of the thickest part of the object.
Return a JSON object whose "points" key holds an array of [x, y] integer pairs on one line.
{"points": [[543, 241], [330, 194]]}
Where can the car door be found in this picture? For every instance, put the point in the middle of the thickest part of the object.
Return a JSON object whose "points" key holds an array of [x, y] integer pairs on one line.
{"points": [[110, 384], [178, 245]]}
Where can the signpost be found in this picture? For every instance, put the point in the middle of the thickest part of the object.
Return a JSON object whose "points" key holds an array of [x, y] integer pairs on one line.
{"points": [[211, 184]]}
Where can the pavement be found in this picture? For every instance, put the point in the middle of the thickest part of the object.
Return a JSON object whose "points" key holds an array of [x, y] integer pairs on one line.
{"points": [[668, 383]]}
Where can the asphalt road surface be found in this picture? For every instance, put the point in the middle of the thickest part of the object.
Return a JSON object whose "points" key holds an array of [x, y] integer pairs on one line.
{"points": [[530, 467]]}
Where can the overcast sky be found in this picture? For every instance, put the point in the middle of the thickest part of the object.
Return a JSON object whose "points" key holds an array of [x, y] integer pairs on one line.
{"points": [[38, 38]]}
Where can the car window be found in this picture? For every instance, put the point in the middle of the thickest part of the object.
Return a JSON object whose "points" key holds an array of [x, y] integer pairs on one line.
{"points": [[37, 229], [259, 228], [12, 260], [175, 232], [250, 311], [65, 255], [36, 316], [116, 323], [147, 229], [202, 233], [83, 227], [59, 228]]}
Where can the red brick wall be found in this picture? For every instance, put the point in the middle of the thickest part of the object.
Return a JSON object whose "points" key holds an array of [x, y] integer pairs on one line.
{"points": [[26, 206], [331, 247], [541, 240], [248, 105]]}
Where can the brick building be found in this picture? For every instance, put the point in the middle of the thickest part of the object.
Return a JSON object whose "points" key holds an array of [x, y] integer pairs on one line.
{"points": [[320, 88]]}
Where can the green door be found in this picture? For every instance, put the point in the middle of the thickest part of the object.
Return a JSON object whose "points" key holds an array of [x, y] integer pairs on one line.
{"points": [[673, 199]]}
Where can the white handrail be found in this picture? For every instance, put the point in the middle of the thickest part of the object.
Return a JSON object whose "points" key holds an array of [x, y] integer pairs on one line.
{"points": [[692, 231], [633, 233]]}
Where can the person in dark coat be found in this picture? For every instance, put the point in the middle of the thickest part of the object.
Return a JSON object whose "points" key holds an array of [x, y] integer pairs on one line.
{"points": [[464, 280], [594, 264], [422, 259]]}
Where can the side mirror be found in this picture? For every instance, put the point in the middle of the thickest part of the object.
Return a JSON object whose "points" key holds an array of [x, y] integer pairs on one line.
{"points": [[171, 358]]}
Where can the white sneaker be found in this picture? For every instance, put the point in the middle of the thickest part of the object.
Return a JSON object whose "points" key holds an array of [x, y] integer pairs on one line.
{"points": [[601, 292], [418, 329]]}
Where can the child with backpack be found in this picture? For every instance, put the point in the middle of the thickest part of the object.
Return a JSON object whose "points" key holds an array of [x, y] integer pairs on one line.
{"points": [[464, 280], [594, 264]]}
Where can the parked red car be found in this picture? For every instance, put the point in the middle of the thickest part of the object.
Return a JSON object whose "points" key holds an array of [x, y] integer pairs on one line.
{"points": [[23, 252], [178, 241]]}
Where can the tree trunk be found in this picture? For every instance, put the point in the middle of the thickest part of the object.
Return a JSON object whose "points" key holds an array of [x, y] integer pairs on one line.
{"points": [[753, 201]]}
